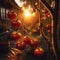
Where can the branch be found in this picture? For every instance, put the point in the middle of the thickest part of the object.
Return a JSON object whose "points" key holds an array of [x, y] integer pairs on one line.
{"points": [[50, 44], [46, 37], [48, 6]]}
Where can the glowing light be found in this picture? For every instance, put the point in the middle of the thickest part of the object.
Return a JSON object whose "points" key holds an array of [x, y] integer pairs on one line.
{"points": [[20, 3], [29, 17], [29, 7], [27, 13]]}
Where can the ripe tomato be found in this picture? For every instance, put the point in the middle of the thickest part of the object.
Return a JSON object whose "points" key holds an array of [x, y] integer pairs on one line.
{"points": [[20, 45], [39, 52], [12, 15], [16, 36], [16, 24], [26, 39], [34, 43], [48, 27]]}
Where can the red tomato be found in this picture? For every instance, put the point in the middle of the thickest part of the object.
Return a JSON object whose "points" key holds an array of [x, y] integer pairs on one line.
{"points": [[16, 36], [39, 52], [20, 45], [34, 43], [16, 24], [26, 39], [49, 28], [12, 15]]}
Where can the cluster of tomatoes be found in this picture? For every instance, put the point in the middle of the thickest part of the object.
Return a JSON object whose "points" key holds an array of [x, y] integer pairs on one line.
{"points": [[45, 14], [23, 41], [16, 24], [48, 27]]}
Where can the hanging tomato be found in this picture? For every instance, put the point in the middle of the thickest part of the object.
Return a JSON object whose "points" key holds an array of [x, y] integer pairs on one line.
{"points": [[39, 52], [11, 15], [26, 39], [48, 27], [34, 43], [16, 24], [20, 45], [16, 36]]}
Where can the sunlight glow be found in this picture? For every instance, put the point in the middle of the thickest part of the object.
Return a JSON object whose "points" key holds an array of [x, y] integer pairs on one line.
{"points": [[27, 13]]}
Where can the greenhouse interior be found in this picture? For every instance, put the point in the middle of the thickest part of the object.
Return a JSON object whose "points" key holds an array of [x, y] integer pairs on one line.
{"points": [[29, 30]]}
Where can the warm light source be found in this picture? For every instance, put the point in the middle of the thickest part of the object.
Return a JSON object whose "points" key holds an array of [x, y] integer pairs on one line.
{"points": [[30, 16], [27, 13]]}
